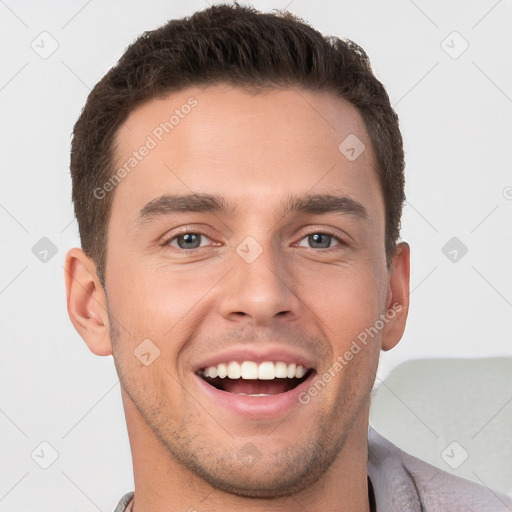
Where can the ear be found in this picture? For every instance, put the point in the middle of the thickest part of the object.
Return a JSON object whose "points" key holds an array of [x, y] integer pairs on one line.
{"points": [[87, 302], [398, 297]]}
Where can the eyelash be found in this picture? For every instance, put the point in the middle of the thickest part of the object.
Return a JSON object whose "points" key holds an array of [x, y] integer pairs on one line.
{"points": [[340, 240]]}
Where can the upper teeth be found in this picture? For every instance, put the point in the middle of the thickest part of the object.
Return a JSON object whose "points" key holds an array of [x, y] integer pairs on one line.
{"points": [[251, 370]]}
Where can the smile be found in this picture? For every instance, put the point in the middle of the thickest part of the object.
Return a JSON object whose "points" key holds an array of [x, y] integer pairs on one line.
{"points": [[255, 386], [252, 379]]}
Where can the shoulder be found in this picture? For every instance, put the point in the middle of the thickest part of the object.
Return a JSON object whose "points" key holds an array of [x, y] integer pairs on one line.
{"points": [[404, 482], [123, 502]]}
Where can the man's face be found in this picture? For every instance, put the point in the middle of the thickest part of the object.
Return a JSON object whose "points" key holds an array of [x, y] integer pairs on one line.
{"points": [[260, 284]]}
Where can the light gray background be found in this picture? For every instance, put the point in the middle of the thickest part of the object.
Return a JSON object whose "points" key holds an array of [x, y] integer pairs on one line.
{"points": [[455, 118]]}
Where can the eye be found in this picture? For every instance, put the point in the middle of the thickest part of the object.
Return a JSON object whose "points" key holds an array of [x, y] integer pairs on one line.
{"points": [[188, 240], [322, 240]]}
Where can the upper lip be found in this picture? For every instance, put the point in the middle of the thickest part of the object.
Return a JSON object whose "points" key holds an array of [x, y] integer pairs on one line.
{"points": [[258, 356]]}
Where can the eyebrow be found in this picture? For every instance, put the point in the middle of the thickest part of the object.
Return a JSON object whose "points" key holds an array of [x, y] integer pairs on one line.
{"points": [[312, 204]]}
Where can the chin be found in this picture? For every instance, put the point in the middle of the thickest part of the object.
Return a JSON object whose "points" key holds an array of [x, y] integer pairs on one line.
{"points": [[272, 475]]}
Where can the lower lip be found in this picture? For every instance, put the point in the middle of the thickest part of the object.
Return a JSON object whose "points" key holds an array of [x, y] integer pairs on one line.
{"points": [[257, 407]]}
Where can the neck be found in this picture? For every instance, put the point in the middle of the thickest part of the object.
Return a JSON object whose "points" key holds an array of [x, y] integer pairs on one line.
{"points": [[163, 484]]}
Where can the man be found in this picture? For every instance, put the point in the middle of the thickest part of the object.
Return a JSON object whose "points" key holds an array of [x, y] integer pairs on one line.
{"points": [[238, 184]]}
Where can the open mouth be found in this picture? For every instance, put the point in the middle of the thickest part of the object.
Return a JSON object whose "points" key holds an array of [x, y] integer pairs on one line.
{"points": [[253, 379]]}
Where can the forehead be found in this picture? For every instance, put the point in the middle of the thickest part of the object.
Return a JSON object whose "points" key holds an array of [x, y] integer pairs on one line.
{"points": [[222, 140]]}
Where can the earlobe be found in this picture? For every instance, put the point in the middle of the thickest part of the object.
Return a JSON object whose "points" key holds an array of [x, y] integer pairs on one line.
{"points": [[86, 302], [398, 297]]}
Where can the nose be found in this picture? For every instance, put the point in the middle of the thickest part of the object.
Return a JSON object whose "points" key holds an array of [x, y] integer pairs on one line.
{"points": [[260, 286]]}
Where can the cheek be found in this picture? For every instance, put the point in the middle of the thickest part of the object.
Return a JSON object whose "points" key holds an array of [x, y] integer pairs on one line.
{"points": [[347, 300], [164, 306], [152, 300]]}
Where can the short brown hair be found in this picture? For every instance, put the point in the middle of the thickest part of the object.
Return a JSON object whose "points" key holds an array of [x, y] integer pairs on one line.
{"points": [[243, 47]]}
